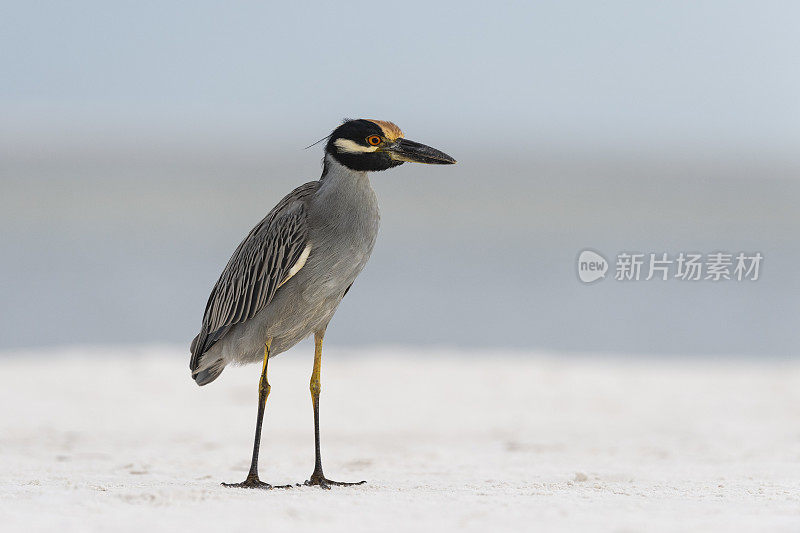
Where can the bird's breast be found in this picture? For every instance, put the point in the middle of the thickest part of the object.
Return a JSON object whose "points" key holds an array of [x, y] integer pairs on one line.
{"points": [[345, 227]]}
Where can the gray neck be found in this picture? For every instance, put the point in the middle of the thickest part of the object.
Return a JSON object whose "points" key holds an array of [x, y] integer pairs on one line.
{"points": [[345, 198]]}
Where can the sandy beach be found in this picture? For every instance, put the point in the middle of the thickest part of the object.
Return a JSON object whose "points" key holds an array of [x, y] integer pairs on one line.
{"points": [[95, 439]]}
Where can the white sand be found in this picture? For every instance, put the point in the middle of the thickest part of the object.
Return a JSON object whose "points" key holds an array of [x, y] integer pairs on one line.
{"points": [[123, 440]]}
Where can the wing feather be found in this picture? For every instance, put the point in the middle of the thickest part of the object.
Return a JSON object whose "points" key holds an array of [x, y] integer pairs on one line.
{"points": [[255, 271]]}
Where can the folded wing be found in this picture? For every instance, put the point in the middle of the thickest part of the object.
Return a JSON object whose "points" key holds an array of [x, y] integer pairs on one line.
{"points": [[271, 253]]}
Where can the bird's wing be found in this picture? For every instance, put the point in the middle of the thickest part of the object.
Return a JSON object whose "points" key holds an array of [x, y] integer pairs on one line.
{"points": [[271, 253]]}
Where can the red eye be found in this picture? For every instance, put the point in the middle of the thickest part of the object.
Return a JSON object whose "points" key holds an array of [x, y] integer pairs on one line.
{"points": [[374, 140]]}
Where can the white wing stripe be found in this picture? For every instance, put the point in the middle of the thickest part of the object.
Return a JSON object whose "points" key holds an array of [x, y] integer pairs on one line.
{"points": [[301, 262]]}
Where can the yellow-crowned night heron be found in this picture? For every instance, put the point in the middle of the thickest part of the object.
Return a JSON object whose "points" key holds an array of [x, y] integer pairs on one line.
{"points": [[287, 277]]}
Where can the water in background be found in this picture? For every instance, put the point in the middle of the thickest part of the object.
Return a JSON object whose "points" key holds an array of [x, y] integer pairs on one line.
{"points": [[123, 246]]}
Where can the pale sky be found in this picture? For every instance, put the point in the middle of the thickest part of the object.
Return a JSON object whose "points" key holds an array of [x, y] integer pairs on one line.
{"points": [[678, 74]]}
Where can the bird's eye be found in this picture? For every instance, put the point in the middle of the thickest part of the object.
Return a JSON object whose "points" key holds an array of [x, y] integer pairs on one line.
{"points": [[374, 140]]}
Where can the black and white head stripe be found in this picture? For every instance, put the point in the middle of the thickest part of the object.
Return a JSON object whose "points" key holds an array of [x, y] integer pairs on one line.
{"points": [[369, 145], [360, 144]]}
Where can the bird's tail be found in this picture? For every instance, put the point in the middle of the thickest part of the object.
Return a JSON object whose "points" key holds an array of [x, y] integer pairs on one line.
{"points": [[203, 371], [204, 377]]}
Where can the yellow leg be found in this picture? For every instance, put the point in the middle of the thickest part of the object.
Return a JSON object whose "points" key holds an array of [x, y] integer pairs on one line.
{"points": [[252, 481], [315, 385], [263, 384], [318, 478]]}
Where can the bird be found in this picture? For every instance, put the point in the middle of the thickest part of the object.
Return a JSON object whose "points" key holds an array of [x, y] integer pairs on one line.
{"points": [[286, 279]]}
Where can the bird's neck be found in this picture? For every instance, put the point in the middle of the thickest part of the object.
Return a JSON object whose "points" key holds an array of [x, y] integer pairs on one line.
{"points": [[336, 174], [347, 193]]}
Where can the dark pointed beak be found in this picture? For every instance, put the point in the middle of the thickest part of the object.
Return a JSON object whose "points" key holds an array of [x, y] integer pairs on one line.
{"points": [[414, 152]]}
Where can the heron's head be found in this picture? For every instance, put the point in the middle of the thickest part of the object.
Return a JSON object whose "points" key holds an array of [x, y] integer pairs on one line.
{"points": [[370, 145]]}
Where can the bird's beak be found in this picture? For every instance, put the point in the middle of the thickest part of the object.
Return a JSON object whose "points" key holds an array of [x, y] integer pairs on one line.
{"points": [[414, 152]]}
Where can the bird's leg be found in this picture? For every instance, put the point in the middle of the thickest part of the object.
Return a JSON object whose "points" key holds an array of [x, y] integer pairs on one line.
{"points": [[252, 481], [318, 478]]}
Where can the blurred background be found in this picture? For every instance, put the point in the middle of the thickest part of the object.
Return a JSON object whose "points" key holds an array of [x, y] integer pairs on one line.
{"points": [[140, 141]]}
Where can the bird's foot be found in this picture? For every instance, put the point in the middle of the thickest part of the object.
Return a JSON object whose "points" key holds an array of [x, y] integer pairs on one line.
{"points": [[252, 482], [318, 479]]}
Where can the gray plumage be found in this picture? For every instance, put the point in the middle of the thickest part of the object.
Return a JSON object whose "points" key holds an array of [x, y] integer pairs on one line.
{"points": [[287, 277], [338, 218]]}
